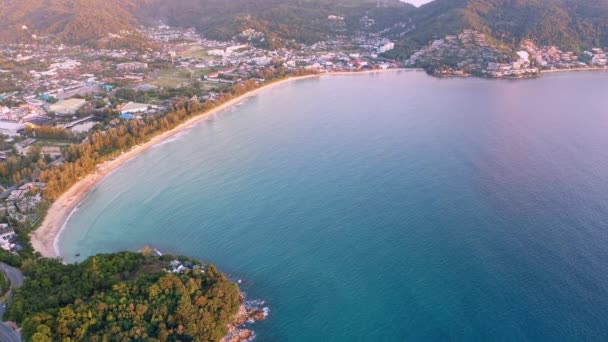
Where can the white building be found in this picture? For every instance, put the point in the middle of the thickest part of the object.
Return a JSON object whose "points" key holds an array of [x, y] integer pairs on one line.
{"points": [[524, 55], [262, 60], [6, 233], [67, 107], [11, 129], [131, 66], [228, 51], [216, 52], [386, 47], [134, 107], [67, 65], [233, 48]]}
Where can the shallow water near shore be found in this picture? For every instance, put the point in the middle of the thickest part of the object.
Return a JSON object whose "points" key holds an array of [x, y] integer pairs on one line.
{"points": [[386, 207]]}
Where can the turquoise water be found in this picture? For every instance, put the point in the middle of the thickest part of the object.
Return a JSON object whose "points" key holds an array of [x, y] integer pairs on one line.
{"points": [[386, 207]]}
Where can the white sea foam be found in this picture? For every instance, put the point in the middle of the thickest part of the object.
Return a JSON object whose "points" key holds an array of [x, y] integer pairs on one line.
{"points": [[58, 236], [251, 338], [173, 138], [254, 303]]}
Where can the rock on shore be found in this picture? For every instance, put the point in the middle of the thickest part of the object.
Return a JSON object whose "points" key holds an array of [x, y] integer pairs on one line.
{"points": [[249, 312]]}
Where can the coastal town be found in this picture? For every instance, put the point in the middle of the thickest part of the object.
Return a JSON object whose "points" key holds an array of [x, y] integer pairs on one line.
{"points": [[56, 96], [472, 54], [88, 86]]}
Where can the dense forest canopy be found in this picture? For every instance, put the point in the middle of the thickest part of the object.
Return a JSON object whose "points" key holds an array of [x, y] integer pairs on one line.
{"points": [[123, 297], [301, 20], [72, 21], [86, 21], [572, 24]]}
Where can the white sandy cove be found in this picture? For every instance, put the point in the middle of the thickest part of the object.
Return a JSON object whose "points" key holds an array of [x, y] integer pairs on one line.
{"points": [[44, 239]]}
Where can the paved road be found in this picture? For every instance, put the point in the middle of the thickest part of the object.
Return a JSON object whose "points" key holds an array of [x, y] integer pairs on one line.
{"points": [[8, 191], [13, 274], [7, 334]]}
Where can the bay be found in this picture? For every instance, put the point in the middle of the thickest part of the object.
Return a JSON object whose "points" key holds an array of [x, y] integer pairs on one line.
{"points": [[386, 207]]}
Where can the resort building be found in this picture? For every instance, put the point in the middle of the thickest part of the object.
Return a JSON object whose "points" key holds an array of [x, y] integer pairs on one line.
{"points": [[6, 233], [67, 107], [132, 66], [134, 107]]}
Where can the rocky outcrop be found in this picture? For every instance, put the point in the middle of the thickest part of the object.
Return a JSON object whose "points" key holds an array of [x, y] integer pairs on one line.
{"points": [[249, 312]]}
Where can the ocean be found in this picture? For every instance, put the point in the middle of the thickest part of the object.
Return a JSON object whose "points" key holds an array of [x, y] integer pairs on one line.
{"points": [[385, 207]]}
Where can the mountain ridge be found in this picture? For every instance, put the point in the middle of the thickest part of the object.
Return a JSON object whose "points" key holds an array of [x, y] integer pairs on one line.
{"points": [[569, 24]]}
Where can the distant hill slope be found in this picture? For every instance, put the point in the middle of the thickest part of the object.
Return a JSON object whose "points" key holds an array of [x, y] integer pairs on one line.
{"points": [[301, 20], [571, 24], [67, 21], [88, 21]]}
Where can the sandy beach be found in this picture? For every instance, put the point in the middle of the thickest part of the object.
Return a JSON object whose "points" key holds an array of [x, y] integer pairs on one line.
{"points": [[44, 239]]}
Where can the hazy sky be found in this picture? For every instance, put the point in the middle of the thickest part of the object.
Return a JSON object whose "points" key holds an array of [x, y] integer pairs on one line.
{"points": [[417, 2]]}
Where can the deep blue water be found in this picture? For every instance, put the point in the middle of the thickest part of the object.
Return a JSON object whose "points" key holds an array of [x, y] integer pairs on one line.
{"points": [[386, 207]]}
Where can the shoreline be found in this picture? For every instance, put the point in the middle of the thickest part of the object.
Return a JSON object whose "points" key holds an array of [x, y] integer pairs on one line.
{"points": [[45, 239], [552, 71]]}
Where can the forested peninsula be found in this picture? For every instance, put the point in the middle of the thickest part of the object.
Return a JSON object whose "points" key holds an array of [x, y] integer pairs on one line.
{"points": [[126, 296]]}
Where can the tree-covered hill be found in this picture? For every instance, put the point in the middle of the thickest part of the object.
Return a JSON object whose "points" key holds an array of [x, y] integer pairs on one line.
{"points": [[89, 21], [67, 21], [570, 24], [304, 21], [124, 297]]}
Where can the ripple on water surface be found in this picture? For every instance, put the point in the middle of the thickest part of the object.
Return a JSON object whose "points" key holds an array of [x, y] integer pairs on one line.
{"points": [[386, 207]]}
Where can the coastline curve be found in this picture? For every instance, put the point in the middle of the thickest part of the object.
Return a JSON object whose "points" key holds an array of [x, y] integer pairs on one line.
{"points": [[45, 239]]}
